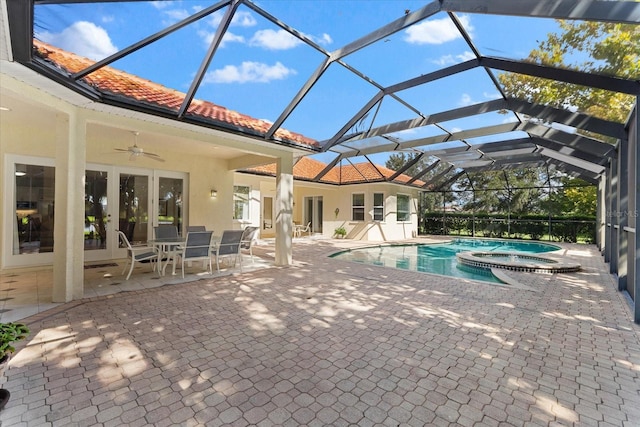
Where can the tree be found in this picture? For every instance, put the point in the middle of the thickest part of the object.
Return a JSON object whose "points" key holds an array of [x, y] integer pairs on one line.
{"points": [[612, 49], [577, 197], [515, 191], [609, 48]]}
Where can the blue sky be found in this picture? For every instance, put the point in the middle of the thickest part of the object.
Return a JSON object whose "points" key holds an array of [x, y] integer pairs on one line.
{"points": [[260, 67]]}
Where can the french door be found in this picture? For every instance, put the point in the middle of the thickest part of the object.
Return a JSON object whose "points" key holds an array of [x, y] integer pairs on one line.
{"points": [[132, 200]]}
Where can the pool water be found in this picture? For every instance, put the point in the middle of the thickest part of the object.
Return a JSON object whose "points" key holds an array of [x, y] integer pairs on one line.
{"points": [[440, 258]]}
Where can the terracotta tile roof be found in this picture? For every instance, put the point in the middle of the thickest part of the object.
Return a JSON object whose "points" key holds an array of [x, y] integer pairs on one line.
{"points": [[110, 80], [307, 169]]}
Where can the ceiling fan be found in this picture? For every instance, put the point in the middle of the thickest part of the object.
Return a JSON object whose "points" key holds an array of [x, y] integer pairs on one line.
{"points": [[136, 151]]}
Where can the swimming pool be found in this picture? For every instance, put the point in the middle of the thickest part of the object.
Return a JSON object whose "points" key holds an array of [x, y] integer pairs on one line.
{"points": [[440, 258]]}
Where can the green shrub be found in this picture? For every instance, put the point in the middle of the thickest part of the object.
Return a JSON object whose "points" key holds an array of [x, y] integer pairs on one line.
{"points": [[10, 333]]}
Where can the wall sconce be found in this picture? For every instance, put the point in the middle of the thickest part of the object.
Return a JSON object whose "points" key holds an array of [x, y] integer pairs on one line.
{"points": [[214, 194], [21, 170]]}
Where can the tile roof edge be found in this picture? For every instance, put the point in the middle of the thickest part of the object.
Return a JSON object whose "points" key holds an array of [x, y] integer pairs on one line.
{"points": [[66, 61]]}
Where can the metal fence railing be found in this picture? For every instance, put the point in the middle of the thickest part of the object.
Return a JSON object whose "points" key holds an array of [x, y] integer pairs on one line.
{"points": [[560, 230]]}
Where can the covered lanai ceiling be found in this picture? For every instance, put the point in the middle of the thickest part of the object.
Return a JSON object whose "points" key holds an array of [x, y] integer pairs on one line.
{"points": [[384, 77]]}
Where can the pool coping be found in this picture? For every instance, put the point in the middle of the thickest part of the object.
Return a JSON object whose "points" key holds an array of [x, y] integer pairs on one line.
{"points": [[483, 260]]}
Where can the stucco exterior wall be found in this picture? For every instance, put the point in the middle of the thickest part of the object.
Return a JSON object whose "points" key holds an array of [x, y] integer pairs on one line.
{"points": [[339, 198]]}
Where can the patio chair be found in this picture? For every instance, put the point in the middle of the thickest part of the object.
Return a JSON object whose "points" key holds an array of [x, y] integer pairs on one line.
{"points": [[303, 229], [196, 228], [248, 237], [166, 231], [136, 254], [229, 246], [196, 248]]}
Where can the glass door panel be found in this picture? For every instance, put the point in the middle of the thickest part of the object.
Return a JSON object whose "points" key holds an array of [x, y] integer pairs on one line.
{"points": [[34, 204], [313, 213], [133, 209], [170, 202], [96, 214], [267, 215]]}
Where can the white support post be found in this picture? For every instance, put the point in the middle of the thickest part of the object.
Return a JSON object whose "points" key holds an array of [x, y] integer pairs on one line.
{"points": [[284, 210], [68, 264], [601, 212]]}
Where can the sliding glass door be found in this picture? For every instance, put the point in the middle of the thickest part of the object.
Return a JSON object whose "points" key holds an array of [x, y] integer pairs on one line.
{"points": [[313, 208]]}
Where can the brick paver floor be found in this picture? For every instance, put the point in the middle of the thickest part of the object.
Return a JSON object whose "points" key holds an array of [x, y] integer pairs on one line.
{"points": [[332, 343]]}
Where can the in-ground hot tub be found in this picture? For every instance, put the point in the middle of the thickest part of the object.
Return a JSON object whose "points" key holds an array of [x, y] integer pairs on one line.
{"points": [[515, 262]]}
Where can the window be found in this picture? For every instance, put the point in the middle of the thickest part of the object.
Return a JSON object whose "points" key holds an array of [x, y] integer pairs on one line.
{"points": [[34, 202], [357, 207], [378, 206], [404, 208], [240, 202]]}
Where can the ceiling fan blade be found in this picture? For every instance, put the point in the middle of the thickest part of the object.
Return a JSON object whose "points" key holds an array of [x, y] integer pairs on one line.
{"points": [[121, 149], [153, 156]]}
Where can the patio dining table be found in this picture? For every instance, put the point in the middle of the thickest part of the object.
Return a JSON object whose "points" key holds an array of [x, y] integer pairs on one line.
{"points": [[166, 247]]}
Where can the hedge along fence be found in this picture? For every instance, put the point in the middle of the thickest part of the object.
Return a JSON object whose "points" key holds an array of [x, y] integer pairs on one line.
{"points": [[535, 227]]}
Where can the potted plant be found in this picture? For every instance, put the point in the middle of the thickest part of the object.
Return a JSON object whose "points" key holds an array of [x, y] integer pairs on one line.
{"points": [[9, 333], [340, 232]]}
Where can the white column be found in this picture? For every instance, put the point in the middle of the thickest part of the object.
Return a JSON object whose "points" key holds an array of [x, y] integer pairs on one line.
{"points": [[284, 209], [68, 250], [601, 212]]}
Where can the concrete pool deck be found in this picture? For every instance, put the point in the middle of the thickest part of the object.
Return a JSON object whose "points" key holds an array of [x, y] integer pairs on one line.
{"points": [[328, 342]]}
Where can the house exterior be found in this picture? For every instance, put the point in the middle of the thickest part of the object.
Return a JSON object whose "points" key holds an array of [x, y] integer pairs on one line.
{"points": [[369, 211], [74, 171]]}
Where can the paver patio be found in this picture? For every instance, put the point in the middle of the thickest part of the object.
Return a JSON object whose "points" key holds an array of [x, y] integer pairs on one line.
{"points": [[332, 343]]}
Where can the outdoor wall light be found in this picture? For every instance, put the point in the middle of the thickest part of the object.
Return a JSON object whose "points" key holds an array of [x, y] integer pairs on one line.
{"points": [[214, 194], [21, 170]]}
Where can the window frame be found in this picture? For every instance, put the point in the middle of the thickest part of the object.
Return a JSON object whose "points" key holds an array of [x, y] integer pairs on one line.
{"points": [[379, 207], [406, 214], [358, 208]]}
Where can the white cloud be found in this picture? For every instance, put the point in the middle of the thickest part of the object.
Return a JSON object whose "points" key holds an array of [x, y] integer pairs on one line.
{"points": [[176, 15], [274, 40], [83, 38], [445, 60], [436, 31], [107, 19], [229, 37], [450, 59], [240, 19], [249, 72], [466, 100], [161, 4], [324, 39], [243, 19], [466, 56]]}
